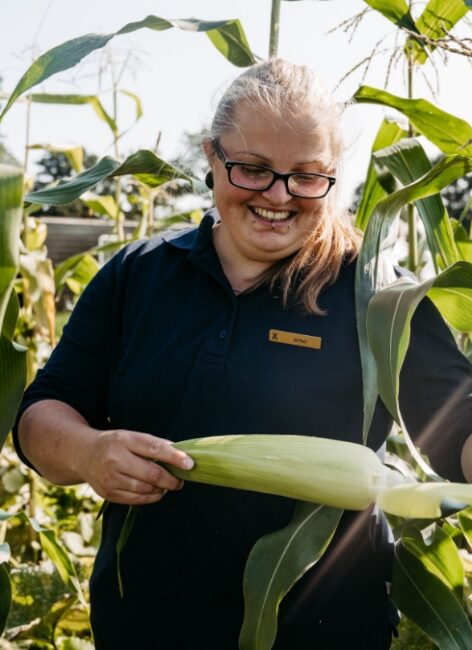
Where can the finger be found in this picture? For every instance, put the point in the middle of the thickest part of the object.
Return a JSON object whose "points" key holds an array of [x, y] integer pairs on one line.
{"points": [[148, 471], [134, 499], [159, 449]]}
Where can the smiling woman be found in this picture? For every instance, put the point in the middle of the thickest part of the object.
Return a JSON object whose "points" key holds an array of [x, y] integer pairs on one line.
{"points": [[279, 117], [244, 325]]}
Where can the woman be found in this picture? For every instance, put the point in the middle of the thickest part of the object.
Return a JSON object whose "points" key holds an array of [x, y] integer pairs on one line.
{"points": [[174, 339]]}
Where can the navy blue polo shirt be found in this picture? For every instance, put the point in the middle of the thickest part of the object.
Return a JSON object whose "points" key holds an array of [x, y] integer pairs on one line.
{"points": [[159, 343]]}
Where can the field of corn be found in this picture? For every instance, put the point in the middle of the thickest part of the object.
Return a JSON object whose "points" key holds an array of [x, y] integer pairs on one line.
{"points": [[49, 535]]}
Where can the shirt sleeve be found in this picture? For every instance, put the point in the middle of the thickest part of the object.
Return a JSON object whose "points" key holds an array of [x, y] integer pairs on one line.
{"points": [[79, 369], [436, 392]]}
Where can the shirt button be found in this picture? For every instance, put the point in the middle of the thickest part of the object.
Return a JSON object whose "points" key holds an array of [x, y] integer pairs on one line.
{"points": [[222, 334]]}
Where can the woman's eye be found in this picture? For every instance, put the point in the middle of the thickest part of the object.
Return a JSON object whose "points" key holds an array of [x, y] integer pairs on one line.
{"points": [[306, 179], [255, 172]]}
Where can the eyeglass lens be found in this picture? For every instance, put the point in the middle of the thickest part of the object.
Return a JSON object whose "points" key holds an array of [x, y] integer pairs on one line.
{"points": [[253, 177]]}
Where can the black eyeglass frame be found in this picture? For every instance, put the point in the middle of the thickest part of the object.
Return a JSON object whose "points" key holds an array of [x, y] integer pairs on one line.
{"points": [[229, 164]]}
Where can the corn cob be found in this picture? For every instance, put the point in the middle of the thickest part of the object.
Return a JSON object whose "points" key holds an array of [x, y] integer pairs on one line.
{"points": [[331, 472]]}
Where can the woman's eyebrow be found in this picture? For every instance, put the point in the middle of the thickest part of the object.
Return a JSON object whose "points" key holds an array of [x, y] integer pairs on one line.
{"points": [[267, 160]]}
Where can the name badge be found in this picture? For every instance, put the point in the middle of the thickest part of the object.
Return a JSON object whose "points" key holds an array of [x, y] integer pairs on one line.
{"points": [[291, 338]]}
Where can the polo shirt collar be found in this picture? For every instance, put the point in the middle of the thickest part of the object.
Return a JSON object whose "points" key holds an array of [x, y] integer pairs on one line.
{"points": [[198, 242], [194, 238]]}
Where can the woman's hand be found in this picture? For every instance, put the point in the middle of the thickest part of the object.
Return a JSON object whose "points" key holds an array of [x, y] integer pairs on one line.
{"points": [[120, 466]]}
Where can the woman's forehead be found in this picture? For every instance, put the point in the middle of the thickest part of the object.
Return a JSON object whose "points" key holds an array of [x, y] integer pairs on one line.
{"points": [[266, 133]]}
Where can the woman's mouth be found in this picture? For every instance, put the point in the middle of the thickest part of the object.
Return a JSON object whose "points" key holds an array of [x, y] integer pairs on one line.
{"points": [[272, 216]]}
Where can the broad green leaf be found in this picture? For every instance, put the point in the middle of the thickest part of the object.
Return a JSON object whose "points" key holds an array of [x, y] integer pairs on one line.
{"points": [[54, 549], [439, 555], [374, 270], [143, 165], [389, 318], [5, 596], [275, 563], [74, 154], [437, 16], [451, 292], [77, 100], [448, 132], [378, 181], [397, 11], [227, 36], [12, 370], [60, 558], [408, 161], [103, 205], [465, 522], [428, 602], [11, 189], [151, 170], [76, 272], [68, 190]]}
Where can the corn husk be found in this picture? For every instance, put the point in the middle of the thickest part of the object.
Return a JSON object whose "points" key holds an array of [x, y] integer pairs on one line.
{"points": [[319, 470]]}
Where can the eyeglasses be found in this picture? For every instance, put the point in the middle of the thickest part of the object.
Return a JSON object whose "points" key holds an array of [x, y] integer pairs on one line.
{"points": [[260, 178]]}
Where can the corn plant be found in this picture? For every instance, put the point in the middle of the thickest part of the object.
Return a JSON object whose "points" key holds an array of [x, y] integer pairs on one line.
{"points": [[384, 310]]}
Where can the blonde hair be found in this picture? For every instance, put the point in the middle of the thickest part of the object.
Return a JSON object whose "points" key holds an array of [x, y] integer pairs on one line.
{"points": [[287, 90]]}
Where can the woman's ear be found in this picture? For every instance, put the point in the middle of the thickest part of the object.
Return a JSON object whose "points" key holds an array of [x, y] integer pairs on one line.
{"points": [[208, 148]]}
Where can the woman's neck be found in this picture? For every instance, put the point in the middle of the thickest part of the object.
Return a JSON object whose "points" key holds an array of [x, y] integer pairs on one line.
{"points": [[241, 273]]}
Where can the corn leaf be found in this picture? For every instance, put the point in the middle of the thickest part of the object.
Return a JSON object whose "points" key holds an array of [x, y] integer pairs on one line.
{"points": [[137, 103], [227, 35], [275, 563], [60, 558], [120, 544], [407, 161], [55, 551], [448, 132], [77, 100], [374, 270], [74, 154], [465, 522], [12, 356], [397, 11], [12, 370], [437, 17], [102, 205], [5, 596], [439, 555], [75, 272], [425, 598], [143, 165], [389, 317], [379, 181], [11, 189]]}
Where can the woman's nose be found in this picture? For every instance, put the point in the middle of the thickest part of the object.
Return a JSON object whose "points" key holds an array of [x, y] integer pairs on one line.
{"points": [[278, 193]]}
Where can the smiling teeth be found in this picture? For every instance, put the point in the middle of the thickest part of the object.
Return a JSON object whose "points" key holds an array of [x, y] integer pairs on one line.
{"points": [[273, 216]]}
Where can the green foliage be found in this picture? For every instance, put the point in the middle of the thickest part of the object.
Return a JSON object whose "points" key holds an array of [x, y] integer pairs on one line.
{"points": [[226, 35], [428, 578], [275, 563]]}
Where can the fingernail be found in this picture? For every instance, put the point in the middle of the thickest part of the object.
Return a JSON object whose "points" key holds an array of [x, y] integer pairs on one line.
{"points": [[187, 463]]}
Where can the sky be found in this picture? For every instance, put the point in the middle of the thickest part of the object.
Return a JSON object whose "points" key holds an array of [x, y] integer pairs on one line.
{"points": [[179, 76]]}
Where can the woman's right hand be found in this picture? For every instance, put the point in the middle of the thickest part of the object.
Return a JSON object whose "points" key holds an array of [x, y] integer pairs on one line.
{"points": [[120, 466]]}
